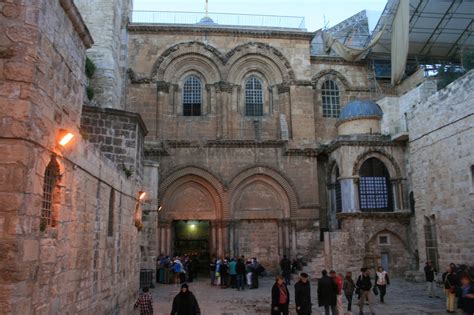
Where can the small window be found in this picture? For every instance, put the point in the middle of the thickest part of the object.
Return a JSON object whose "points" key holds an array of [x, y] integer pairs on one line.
{"points": [[50, 182], [384, 239], [192, 96], [330, 99], [253, 97], [110, 226]]}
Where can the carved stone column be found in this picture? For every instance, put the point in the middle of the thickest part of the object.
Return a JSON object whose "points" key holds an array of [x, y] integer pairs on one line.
{"points": [[349, 194]]}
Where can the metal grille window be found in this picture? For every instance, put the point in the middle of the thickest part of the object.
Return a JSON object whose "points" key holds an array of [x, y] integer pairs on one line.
{"points": [[110, 226], [330, 99], [374, 187], [431, 242], [253, 97], [51, 175], [192, 96]]}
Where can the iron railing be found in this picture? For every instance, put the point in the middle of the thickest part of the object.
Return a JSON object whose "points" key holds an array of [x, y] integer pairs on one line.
{"points": [[220, 19]]}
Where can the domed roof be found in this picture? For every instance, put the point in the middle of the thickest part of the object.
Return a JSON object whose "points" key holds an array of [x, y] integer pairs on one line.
{"points": [[360, 109], [206, 21]]}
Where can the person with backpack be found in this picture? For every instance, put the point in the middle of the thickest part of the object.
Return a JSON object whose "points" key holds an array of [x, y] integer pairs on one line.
{"points": [[364, 286], [348, 287], [382, 281], [145, 303]]}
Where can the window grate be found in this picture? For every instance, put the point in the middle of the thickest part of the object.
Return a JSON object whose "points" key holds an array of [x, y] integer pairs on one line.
{"points": [[49, 183], [253, 97], [374, 187], [192, 96], [330, 99]]}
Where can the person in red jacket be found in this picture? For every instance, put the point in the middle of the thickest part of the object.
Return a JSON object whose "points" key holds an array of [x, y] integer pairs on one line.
{"points": [[338, 279]]}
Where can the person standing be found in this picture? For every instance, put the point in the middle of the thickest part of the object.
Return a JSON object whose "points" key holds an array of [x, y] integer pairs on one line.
{"points": [[430, 275], [467, 295], [233, 273], [285, 266], [254, 267], [248, 272], [327, 293], [212, 270], [145, 303], [185, 303], [449, 280], [365, 284], [382, 281], [240, 270], [280, 297], [348, 288], [303, 295], [339, 282]]}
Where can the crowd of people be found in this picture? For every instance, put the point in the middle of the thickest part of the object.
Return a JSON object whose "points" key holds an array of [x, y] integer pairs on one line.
{"points": [[240, 273], [457, 283]]}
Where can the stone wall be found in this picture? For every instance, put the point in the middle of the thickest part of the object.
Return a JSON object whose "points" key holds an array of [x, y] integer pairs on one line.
{"points": [[118, 134], [441, 148], [107, 21], [72, 266]]}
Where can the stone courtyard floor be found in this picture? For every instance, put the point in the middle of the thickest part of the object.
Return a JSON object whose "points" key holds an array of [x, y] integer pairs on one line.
{"points": [[403, 298]]}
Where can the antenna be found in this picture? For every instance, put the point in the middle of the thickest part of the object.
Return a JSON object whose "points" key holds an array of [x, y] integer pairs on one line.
{"points": [[207, 8]]}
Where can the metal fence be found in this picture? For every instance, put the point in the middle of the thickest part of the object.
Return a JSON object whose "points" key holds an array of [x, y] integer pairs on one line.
{"points": [[221, 19]]}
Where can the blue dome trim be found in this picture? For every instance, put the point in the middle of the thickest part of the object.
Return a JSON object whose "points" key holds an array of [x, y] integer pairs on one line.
{"points": [[360, 109]]}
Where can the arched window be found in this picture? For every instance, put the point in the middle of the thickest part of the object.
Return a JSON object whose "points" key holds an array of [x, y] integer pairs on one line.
{"points": [[375, 192], [192, 96], [253, 97], [330, 99], [51, 178]]}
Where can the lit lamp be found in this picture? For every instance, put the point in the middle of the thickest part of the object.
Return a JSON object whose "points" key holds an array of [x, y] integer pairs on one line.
{"points": [[141, 195], [64, 137]]}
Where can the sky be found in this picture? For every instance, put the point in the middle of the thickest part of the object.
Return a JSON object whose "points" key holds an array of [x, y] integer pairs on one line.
{"points": [[317, 13]]}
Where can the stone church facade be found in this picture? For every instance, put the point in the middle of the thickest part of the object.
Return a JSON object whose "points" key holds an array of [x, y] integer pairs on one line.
{"points": [[243, 132]]}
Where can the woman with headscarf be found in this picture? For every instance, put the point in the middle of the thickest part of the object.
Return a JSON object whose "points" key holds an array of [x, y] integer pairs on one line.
{"points": [[280, 297], [185, 303]]}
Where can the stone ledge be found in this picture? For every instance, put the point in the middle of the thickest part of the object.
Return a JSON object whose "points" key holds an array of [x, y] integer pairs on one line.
{"points": [[78, 23], [375, 215], [117, 112]]}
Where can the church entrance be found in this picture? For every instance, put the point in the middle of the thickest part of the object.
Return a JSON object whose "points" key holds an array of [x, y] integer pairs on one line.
{"points": [[192, 238]]}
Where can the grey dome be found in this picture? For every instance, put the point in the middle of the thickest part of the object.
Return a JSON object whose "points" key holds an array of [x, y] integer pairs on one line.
{"points": [[206, 21], [360, 109]]}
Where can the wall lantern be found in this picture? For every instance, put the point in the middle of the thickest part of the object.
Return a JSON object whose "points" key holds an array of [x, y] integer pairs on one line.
{"points": [[141, 195], [64, 137], [160, 208]]}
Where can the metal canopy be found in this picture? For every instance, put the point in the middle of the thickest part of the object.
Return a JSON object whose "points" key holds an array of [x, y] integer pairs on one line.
{"points": [[439, 29]]}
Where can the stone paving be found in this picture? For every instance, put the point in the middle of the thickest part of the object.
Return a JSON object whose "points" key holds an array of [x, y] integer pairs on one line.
{"points": [[403, 298]]}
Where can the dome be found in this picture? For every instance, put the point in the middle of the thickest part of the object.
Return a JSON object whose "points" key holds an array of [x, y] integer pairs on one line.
{"points": [[206, 21], [360, 109]]}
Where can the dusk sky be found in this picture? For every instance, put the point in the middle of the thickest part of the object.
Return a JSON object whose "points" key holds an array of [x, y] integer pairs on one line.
{"points": [[316, 12]]}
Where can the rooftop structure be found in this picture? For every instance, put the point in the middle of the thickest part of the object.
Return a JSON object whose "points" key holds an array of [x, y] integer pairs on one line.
{"points": [[218, 19]]}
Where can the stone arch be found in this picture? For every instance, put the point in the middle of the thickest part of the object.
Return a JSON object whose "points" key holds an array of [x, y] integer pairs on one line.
{"points": [[260, 54], [385, 158], [188, 183], [331, 171], [206, 54], [270, 177], [330, 74], [387, 231], [254, 64]]}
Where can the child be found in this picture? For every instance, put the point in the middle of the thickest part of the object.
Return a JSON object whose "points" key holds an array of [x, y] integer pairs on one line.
{"points": [[145, 302]]}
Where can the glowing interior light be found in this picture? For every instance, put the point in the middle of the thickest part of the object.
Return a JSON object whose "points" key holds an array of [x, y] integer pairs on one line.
{"points": [[192, 226], [141, 195], [66, 138]]}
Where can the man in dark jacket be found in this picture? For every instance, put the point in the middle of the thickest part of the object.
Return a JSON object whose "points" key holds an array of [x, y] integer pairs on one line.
{"points": [[364, 284], [430, 274], [285, 265], [327, 293], [185, 303], [240, 269], [303, 295]]}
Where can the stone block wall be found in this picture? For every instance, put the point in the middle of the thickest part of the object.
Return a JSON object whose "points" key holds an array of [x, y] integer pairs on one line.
{"points": [[72, 266], [107, 21], [118, 134], [441, 150]]}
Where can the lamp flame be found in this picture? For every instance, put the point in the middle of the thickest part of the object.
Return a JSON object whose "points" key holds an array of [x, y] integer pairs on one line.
{"points": [[141, 195], [66, 138]]}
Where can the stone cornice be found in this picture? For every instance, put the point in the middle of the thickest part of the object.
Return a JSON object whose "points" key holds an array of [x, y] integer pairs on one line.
{"points": [[380, 141], [337, 60], [220, 30], [403, 216], [311, 152], [245, 143], [77, 22]]}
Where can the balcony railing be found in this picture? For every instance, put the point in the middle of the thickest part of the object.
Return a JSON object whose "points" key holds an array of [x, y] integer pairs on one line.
{"points": [[218, 19]]}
